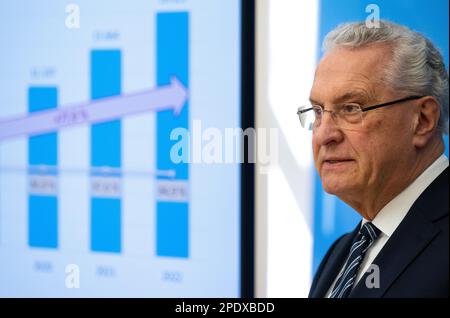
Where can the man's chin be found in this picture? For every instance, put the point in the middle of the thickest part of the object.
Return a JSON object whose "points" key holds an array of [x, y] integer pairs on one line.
{"points": [[338, 188]]}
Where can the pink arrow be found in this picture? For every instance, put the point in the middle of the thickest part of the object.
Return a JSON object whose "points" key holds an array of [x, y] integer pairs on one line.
{"points": [[172, 96]]}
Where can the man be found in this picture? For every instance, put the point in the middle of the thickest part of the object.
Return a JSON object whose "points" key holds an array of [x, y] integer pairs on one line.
{"points": [[379, 108]]}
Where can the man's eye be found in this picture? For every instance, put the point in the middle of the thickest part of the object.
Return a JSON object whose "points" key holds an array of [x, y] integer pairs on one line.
{"points": [[317, 110], [350, 109]]}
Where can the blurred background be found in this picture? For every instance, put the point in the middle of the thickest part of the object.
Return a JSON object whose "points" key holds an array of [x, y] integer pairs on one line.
{"points": [[121, 144]]}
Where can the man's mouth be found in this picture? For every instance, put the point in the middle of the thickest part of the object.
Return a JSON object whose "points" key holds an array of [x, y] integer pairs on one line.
{"points": [[336, 163]]}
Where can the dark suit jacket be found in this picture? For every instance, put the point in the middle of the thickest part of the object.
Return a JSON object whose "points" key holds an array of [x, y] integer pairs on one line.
{"points": [[414, 261]]}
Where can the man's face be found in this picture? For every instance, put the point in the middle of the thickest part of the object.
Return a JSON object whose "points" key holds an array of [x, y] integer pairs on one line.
{"points": [[354, 162]]}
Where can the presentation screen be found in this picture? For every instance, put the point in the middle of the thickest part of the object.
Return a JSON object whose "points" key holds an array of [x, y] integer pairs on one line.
{"points": [[114, 181]]}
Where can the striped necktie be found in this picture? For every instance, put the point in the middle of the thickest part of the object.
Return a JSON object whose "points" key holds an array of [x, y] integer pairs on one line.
{"points": [[366, 236]]}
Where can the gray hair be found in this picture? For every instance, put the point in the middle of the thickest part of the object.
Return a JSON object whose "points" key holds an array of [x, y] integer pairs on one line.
{"points": [[416, 68]]}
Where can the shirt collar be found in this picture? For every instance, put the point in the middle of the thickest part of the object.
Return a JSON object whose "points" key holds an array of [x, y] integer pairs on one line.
{"points": [[390, 217]]}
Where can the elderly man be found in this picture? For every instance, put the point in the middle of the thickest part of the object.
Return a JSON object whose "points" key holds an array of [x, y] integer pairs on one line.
{"points": [[379, 108]]}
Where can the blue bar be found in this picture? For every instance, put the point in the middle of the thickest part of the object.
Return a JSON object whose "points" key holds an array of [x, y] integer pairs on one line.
{"points": [[43, 221], [172, 59], [43, 150], [106, 82], [106, 225], [172, 220], [106, 151]]}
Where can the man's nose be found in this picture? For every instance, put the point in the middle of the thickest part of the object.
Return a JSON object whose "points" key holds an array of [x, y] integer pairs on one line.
{"points": [[328, 131]]}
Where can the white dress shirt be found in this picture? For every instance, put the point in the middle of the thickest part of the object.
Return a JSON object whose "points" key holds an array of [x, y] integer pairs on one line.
{"points": [[393, 213]]}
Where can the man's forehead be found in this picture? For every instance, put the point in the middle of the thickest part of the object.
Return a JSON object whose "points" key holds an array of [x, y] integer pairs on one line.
{"points": [[363, 60], [344, 86], [350, 73]]}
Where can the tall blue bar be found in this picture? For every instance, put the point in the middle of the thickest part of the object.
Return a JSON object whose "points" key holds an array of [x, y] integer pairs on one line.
{"points": [[106, 151], [172, 46], [42, 151]]}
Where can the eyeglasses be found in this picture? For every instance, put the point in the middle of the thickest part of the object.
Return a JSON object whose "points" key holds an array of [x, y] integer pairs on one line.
{"points": [[346, 116]]}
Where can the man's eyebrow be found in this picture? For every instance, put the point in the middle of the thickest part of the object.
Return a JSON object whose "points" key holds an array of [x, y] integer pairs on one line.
{"points": [[352, 95], [356, 96], [314, 102]]}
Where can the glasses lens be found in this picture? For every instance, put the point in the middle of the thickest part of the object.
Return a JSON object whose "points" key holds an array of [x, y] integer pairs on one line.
{"points": [[345, 116], [349, 116], [306, 118]]}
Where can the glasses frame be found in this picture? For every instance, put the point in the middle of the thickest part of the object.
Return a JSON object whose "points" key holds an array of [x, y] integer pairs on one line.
{"points": [[365, 109]]}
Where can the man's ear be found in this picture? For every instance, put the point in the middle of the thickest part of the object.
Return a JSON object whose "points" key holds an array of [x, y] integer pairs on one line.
{"points": [[426, 121]]}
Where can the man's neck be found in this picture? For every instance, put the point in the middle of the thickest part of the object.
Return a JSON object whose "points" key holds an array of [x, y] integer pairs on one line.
{"points": [[371, 203]]}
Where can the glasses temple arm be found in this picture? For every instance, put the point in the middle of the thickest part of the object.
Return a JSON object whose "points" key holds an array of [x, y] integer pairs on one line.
{"points": [[391, 103]]}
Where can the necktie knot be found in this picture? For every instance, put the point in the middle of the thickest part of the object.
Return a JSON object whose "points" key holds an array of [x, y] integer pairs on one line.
{"points": [[370, 231]]}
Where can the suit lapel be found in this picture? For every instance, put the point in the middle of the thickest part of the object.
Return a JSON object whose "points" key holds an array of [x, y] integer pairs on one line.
{"points": [[334, 264], [411, 237]]}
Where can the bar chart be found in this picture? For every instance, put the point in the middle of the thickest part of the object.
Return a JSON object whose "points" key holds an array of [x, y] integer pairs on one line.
{"points": [[86, 175], [105, 148]]}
